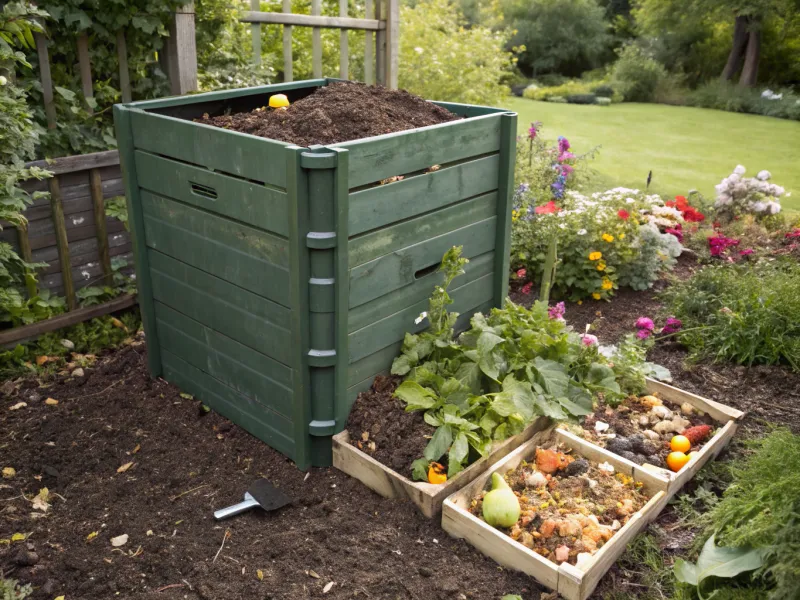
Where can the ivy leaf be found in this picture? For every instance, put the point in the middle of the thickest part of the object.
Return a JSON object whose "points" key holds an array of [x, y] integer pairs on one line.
{"points": [[718, 561], [458, 454], [415, 396], [419, 469], [439, 443], [68, 95]]}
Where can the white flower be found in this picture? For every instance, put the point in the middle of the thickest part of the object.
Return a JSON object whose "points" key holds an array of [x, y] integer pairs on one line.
{"points": [[607, 351], [629, 200], [767, 93], [739, 170], [418, 50], [420, 318], [763, 175], [582, 232], [773, 207], [3, 80]]}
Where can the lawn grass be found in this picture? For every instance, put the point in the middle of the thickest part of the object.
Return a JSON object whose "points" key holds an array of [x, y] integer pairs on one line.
{"points": [[686, 148]]}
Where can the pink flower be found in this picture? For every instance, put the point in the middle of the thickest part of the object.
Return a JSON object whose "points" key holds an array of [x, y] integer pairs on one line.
{"points": [[557, 311], [643, 334], [587, 339], [672, 325], [645, 323], [521, 273], [526, 289], [676, 231], [746, 252]]}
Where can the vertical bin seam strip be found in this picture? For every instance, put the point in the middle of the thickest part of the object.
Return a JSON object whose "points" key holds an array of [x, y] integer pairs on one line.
{"points": [[508, 154]]}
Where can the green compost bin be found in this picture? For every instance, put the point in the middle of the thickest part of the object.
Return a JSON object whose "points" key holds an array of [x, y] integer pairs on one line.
{"points": [[276, 281]]}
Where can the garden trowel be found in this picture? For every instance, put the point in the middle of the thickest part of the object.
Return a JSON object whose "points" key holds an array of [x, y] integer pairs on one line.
{"points": [[261, 493]]}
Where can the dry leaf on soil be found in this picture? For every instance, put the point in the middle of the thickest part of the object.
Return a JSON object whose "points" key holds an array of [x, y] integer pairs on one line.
{"points": [[51, 401], [92, 535], [327, 587], [120, 540], [18, 405], [313, 573], [39, 502], [9, 472], [125, 467], [260, 575], [18, 537]]}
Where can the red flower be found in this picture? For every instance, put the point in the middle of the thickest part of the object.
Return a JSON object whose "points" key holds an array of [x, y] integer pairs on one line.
{"points": [[526, 289], [692, 215], [521, 273], [681, 203], [547, 209], [623, 214]]}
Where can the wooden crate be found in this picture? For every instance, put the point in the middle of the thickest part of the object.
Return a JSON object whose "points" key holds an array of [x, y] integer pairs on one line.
{"points": [[725, 416], [571, 582], [427, 497], [276, 281]]}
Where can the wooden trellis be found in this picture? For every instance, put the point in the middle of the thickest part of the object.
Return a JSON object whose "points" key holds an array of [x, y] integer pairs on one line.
{"points": [[381, 32]]}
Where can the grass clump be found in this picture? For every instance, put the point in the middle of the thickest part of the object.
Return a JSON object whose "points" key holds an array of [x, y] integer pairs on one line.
{"points": [[741, 314]]}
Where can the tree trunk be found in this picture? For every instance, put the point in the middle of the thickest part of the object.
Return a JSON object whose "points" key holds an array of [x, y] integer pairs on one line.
{"points": [[751, 57], [737, 50]]}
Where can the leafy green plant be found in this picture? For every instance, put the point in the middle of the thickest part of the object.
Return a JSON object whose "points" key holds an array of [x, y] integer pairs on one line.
{"points": [[637, 75], [739, 313], [490, 381], [780, 103], [11, 590], [17, 310], [718, 562], [117, 208]]}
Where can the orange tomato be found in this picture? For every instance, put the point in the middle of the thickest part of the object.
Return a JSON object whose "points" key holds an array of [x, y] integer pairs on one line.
{"points": [[680, 443], [676, 460], [436, 474]]}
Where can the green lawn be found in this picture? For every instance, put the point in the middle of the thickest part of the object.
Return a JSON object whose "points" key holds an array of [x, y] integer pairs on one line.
{"points": [[686, 148]]}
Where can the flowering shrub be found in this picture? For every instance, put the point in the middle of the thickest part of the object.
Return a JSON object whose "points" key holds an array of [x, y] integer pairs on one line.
{"points": [[604, 241], [738, 195]]}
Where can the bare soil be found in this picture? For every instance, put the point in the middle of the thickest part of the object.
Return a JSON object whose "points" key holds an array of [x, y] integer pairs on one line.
{"points": [[186, 464], [338, 112]]}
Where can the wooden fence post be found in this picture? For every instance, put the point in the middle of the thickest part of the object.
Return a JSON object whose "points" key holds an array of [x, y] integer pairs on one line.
{"points": [[344, 50], [287, 44], [181, 51], [380, 43], [316, 42], [369, 48], [255, 31], [99, 209], [124, 75], [85, 66], [62, 242], [47, 79], [392, 42]]}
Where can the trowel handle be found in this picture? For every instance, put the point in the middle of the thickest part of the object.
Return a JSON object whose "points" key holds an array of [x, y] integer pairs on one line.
{"points": [[236, 509]]}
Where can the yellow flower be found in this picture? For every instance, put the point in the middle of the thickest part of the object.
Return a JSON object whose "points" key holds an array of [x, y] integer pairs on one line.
{"points": [[580, 302], [595, 255], [607, 285], [601, 266], [621, 236], [596, 295], [608, 238]]}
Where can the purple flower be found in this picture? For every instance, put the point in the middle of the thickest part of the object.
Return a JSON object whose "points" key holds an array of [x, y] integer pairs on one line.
{"points": [[533, 130], [566, 170], [557, 311], [563, 144], [672, 325], [645, 323], [587, 339], [565, 156], [643, 334]]}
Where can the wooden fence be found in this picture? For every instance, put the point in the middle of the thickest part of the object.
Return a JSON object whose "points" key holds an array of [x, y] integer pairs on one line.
{"points": [[381, 31]]}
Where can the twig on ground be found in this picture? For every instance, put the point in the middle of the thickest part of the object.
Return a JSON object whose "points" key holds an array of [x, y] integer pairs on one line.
{"points": [[224, 537], [170, 586], [173, 498]]}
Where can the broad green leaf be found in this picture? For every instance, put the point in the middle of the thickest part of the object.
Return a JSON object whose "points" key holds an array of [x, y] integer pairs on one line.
{"points": [[419, 469], [469, 374], [415, 396], [492, 364], [548, 408], [552, 376], [718, 561], [402, 365], [657, 372], [501, 432], [439, 443], [488, 422], [68, 95], [453, 391], [427, 377], [458, 455], [459, 422], [578, 401], [431, 419]]}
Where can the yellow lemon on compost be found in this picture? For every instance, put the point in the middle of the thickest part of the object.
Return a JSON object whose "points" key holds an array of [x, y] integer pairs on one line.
{"points": [[680, 443], [278, 101]]}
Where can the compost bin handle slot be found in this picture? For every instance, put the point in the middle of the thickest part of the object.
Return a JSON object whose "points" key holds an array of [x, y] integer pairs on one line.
{"points": [[420, 273], [206, 191]]}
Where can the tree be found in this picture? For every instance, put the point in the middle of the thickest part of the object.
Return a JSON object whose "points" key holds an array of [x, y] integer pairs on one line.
{"points": [[560, 36], [750, 18]]}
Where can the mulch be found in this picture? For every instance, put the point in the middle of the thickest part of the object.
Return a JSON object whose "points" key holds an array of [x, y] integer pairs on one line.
{"points": [[338, 112]]}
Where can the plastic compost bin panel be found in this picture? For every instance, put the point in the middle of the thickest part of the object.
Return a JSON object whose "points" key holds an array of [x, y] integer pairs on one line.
{"points": [[275, 281]]}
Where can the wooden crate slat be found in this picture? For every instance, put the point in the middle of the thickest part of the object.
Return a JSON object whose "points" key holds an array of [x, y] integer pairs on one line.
{"points": [[79, 162], [393, 271], [235, 365], [405, 152], [418, 291], [240, 315], [382, 204], [256, 205], [231, 152], [267, 425], [390, 239], [392, 329]]}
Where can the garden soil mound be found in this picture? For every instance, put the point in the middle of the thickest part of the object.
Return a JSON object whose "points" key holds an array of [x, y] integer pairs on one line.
{"points": [[338, 112], [380, 426], [186, 463]]}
